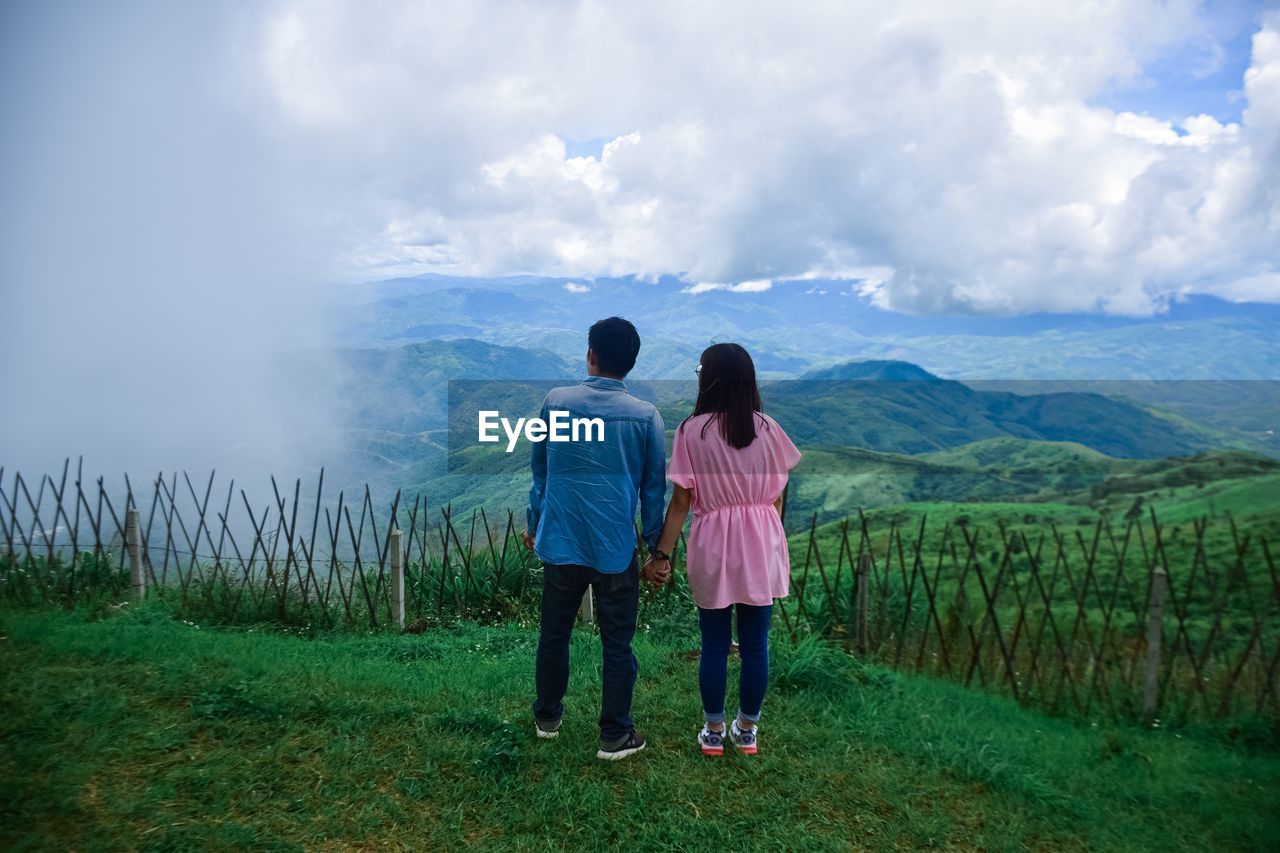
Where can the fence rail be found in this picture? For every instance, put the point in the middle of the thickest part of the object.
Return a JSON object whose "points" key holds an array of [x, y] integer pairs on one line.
{"points": [[297, 560], [1105, 621], [1143, 619]]}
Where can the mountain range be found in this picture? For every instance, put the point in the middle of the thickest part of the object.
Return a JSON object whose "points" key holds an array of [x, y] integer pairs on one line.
{"points": [[794, 327], [873, 431]]}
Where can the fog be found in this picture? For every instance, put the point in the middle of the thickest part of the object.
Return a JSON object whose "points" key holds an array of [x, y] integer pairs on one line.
{"points": [[157, 294]]}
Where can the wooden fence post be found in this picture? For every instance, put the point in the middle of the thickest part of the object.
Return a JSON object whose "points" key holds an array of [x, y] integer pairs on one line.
{"points": [[133, 546], [397, 579], [864, 572], [1155, 635]]}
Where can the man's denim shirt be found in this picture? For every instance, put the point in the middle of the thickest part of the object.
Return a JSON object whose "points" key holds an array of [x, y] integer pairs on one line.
{"points": [[582, 506]]}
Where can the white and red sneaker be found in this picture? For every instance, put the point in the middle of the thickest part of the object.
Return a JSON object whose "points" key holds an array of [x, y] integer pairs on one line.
{"points": [[743, 739], [712, 743]]}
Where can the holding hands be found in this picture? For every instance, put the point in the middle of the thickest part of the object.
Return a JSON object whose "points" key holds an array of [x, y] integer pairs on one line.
{"points": [[656, 570]]}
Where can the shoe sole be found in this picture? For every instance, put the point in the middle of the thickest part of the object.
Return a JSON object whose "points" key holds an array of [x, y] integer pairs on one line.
{"points": [[619, 754], [746, 750], [547, 735]]}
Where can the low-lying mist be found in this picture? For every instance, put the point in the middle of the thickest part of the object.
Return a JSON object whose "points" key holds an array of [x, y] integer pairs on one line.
{"points": [[158, 302]]}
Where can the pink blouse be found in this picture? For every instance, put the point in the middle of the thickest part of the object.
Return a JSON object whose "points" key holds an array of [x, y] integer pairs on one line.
{"points": [[737, 551]]}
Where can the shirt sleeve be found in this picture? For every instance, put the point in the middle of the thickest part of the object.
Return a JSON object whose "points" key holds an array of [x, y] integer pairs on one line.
{"points": [[653, 483], [680, 471], [787, 451], [537, 491]]}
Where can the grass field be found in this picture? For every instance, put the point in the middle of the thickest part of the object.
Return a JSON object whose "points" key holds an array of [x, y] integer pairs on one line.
{"points": [[138, 731]]}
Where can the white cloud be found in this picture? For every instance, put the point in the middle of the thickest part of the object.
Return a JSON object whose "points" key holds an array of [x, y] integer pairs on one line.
{"points": [[574, 287], [753, 286], [1252, 288], [953, 148], [1198, 131]]}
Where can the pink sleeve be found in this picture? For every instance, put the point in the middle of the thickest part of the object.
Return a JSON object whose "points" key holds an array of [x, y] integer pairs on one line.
{"points": [[786, 449], [680, 468]]}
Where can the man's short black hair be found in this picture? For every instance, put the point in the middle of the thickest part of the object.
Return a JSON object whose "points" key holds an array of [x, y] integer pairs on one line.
{"points": [[616, 344]]}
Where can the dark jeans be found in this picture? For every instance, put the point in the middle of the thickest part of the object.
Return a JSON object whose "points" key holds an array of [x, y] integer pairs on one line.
{"points": [[713, 663], [617, 598]]}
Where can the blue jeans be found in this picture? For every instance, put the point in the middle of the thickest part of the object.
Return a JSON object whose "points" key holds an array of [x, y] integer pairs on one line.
{"points": [[617, 599], [713, 664]]}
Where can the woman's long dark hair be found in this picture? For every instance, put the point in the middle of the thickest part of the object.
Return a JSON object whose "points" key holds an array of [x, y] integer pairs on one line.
{"points": [[728, 392]]}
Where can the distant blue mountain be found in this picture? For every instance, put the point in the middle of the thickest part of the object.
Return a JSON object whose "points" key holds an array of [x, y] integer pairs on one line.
{"points": [[795, 327], [873, 369]]}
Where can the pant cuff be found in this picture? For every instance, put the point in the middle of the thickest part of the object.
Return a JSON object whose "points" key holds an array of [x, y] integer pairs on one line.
{"points": [[713, 718], [750, 718]]}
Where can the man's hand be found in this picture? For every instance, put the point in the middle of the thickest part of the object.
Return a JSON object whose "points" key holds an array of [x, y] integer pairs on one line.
{"points": [[655, 572], [527, 539]]}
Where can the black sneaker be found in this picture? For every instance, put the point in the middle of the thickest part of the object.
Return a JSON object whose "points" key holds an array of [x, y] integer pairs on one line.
{"points": [[630, 744]]}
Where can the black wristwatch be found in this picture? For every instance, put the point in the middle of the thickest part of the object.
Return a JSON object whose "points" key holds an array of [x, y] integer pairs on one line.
{"points": [[660, 555]]}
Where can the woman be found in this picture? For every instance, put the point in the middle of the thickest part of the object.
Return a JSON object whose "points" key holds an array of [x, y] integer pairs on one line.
{"points": [[729, 463]]}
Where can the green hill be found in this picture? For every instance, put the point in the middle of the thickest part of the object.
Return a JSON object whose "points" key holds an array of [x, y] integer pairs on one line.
{"points": [[1231, 413], [1027, 472], [838, 481], [897, 407], [874, 433], [1014, 452]]}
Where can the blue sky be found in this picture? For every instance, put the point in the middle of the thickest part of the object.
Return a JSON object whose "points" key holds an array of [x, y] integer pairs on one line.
{"points": [[1203, 76]]}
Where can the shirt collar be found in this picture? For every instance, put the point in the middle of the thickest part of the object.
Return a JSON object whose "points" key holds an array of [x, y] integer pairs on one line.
{"points": [[605, 382]]}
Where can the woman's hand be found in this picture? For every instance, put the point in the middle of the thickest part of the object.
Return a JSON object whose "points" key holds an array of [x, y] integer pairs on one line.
{"points": [[655, 572]]}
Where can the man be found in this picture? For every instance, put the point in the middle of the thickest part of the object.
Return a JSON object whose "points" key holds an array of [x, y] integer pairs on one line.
{"points": [[581, 524]]}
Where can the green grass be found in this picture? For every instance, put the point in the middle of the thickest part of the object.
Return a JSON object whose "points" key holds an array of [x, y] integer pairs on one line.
{"points": [[138, 731]]}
